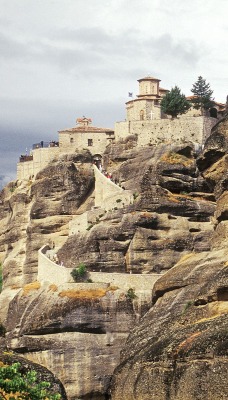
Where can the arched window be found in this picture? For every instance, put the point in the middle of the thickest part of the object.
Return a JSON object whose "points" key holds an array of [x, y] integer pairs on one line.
{"points": [[141, 115]]}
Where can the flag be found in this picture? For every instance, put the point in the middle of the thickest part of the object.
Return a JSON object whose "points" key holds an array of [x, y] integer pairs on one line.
{"points": [[130, 94]]}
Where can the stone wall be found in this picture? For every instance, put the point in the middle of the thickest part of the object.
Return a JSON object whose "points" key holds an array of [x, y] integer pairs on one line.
{"points": [[49, 271], [41, 158], [70, 141], [146, 107], [194, 129], [108, 195], [126, 281]]}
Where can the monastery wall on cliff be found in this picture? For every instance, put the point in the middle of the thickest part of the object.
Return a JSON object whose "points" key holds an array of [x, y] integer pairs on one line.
{"points": [[39, 160], [194, 129], [144, 118]]}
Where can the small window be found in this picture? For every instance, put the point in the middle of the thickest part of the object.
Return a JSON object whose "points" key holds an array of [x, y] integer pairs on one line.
{"points": [[142, 115], [90, 142], [71, 140]]}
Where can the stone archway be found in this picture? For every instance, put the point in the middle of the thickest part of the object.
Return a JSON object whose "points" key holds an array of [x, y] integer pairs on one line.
{"points": [[213, 112], [97, 160]]}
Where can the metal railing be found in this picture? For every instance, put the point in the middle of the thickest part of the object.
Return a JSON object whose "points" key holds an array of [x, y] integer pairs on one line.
{"points": [[43, 144]]}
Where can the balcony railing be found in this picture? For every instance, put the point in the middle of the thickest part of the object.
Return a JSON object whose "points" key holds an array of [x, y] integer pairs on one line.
{"points": [[25, 157], [43, 144]]}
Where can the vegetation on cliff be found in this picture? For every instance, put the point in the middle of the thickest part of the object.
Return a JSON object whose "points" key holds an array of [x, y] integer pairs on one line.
{"points": [[18, 384], [174, 103], [202, 92]]}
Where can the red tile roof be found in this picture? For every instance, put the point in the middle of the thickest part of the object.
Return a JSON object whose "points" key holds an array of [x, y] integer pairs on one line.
{"points": [[92, 129], [149, 78]]}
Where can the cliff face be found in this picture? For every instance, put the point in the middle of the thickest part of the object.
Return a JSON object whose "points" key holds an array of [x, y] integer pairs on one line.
{"points": [[78, 331], [35, 213], [179, 348], [171, 214]]}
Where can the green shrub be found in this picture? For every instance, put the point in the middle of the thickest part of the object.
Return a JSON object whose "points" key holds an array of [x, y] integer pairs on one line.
{"points": [[135, 195], [118, 201], [187, 305], [131, 294], [78, 274], [15, 384]]}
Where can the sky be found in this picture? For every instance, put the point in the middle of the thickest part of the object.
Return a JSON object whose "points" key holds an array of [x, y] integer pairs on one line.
{"points": [[60, 60]]}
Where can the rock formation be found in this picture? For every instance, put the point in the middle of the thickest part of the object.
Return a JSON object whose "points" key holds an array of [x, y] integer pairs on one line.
{"points": [[179, 348], [77, 332]]}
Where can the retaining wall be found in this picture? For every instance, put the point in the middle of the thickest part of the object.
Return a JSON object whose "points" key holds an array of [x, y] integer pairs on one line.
{"points": [[194, 129], [108, 195], [41, 158], [49, 271]]}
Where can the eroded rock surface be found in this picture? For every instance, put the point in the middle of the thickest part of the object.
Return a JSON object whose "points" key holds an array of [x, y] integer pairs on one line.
{"points": [[75, 332], [78, 333], [179, 349], [35, 213], [171, 214]]}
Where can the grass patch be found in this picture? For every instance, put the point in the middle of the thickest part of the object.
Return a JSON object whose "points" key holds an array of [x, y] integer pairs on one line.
{"points": [[86, 294], [83, 294], [175, 158], [30, 287], [14, 287], [53, 288]]}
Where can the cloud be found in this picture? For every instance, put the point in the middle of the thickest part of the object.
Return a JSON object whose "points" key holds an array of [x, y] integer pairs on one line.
{"points": [[11, 48], [36, 121], [96, 51]]}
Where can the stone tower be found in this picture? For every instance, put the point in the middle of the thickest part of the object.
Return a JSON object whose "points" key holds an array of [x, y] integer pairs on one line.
{"points": [[147, 104]]}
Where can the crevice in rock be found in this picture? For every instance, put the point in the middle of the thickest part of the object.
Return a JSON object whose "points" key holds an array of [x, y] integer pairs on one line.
{"points": [[194, 230], [222, 293], [160, 293], [223, 216], [210, 158], [84, 328]]}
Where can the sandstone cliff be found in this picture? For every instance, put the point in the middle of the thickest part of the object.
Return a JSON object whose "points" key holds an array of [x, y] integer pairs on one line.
{"points": [[78, 333], [179, 349]]}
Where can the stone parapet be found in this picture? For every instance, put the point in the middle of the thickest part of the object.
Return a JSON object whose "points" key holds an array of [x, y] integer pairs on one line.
{"points": [[108, 195], [194, 129], [41, 156], [49, 271]]}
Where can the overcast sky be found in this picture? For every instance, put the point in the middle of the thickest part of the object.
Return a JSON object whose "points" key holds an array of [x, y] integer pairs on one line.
{"points": [[62, 59]]}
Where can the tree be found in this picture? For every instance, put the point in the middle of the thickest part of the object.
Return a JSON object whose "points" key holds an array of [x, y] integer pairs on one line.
{"points": [[175, 103], [24, 386], [202, 92]]}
